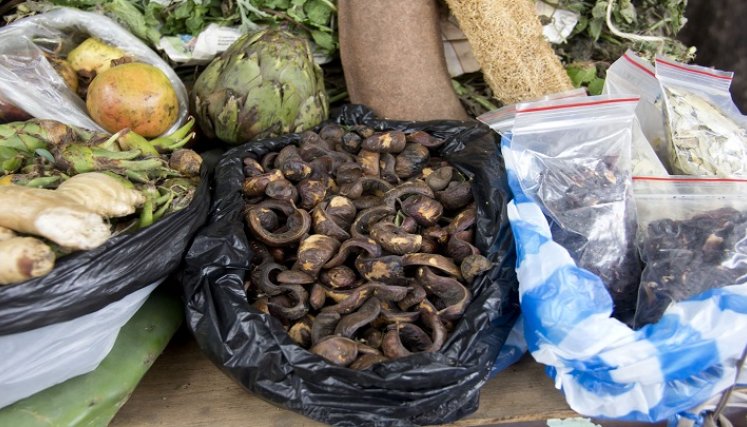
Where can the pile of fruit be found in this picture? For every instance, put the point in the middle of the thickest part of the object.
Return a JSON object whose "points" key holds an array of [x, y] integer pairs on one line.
{"points": [[80, 187]]}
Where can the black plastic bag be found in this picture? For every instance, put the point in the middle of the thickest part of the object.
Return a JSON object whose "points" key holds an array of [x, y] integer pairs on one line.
{"points": [[424, 388], [87, 281]]}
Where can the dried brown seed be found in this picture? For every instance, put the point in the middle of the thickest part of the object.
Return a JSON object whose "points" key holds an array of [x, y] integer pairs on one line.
{"points": [[473, 265], [369, 161], [348, 325], [394, 239], [313, 252], [411, 161], [366, 361], [456, 195], [425, 210], [425, 139], [439, 178], [312, 192], [338, 350], [323, 325], [385, 142], [340, 277]]}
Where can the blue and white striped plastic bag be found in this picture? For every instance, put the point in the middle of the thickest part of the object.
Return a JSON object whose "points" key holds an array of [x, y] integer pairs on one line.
{"points": [[604, 368]]}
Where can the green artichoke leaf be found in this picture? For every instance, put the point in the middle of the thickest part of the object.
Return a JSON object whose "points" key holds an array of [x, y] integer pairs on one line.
{"points": [[227, 123], [209, 77], [313, 108], [291, 105], [261, 113], [244, 74]]}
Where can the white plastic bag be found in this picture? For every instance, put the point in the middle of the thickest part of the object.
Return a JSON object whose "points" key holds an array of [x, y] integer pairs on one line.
{"points": [[30, 82], [572, 157], [692, 237], [35, 360], [632, 75], [707, 134]]}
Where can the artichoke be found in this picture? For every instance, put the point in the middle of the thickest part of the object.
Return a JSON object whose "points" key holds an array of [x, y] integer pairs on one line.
{"points": [[266, 84]]}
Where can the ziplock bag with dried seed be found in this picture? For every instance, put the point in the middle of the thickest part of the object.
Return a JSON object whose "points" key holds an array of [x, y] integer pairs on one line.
{"points": [[572, 157], [692, 237], [707, 134]]}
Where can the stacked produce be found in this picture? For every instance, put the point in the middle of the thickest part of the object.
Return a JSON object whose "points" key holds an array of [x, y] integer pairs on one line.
{"points": [[77, 188], [363, 243]]}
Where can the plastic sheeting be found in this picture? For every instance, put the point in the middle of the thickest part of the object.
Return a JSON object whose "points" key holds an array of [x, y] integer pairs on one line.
{"points": [[34, 360], [28, 80], [424, 388]]}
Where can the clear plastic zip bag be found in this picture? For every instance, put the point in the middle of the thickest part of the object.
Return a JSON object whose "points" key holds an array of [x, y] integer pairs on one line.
{"points": [[692, 237], [707, 134], [502, 119], [632, 75], [572, 157]]}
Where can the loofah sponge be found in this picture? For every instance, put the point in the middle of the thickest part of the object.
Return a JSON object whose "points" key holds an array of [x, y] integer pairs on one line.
{"points": [[506, 38]]}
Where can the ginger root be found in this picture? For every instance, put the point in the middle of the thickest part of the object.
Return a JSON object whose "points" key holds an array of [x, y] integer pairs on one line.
{"points": [[23, 258], [6, 233], [52, 215], [103, 194]]}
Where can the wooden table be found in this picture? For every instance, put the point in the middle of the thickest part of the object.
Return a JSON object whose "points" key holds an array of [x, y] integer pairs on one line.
{"points": [[183, 388]]}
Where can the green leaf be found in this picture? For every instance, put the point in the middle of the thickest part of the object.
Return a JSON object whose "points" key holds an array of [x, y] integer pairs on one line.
{"points": [[595, 86], [599, 10], [595, 29], [583, 23], [41, 152], [627, 11], [276, 4], [81, 4], [296, 11], [579, 7], [183, 11], [195, 23], [581, 73], [323, 40], [130, 16], [318, 12], [152, 12]]}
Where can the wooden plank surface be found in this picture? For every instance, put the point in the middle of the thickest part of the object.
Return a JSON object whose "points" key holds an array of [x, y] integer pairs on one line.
{"points": [[183, 388]]}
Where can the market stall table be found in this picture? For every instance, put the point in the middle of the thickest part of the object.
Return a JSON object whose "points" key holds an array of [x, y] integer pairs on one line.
{"points": [[183, 388]]}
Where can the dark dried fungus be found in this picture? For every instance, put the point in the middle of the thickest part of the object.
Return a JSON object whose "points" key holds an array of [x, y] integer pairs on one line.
{"points": [[586, 201], [686, 257]]}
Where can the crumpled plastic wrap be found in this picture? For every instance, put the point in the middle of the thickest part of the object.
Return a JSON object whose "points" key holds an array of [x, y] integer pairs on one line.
{"points": [[254, 349], [28, 80]]}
